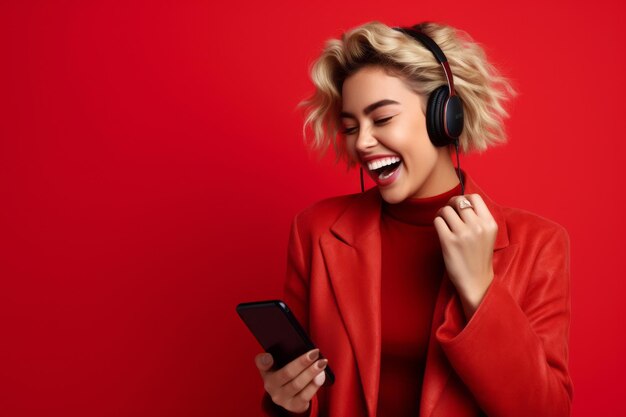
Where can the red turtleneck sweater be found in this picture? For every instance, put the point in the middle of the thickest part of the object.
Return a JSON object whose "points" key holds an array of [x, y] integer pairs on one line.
{"points": [[412, 268]]}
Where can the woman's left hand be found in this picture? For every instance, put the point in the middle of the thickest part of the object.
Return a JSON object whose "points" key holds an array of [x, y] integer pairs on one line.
{"points": [[467, 235]]}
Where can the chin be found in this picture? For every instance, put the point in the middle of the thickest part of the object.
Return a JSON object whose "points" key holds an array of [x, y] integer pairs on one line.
{"points": [[393, 196]]}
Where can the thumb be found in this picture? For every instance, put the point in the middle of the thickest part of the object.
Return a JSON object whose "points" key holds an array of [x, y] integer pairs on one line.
{"points": [[264, 361]]}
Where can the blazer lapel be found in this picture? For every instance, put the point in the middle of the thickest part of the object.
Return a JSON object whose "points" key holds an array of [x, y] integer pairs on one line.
{"points": [[352, 253]]}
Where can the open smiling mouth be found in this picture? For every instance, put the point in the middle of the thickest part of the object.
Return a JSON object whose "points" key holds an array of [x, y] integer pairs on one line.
{"points": [[384, 168]]}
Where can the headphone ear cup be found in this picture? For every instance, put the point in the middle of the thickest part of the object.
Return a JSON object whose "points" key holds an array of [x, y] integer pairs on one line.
{"points": [[435, 111]]}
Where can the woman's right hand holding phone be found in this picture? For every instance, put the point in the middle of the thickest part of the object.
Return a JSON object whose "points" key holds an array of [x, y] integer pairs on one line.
{"points": [[293, 385]]}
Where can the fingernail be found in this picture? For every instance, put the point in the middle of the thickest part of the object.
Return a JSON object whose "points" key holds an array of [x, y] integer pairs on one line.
{"points": [[314, 354], [320, 378], [322, 363], [266, 359]]}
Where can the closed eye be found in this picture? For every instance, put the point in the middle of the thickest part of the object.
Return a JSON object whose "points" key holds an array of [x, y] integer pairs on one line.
{"points": [[383, 120], [379, 122], [349, 130]]}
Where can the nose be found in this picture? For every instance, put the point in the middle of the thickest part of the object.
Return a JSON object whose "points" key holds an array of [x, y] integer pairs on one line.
{"points": [[365, 140]]}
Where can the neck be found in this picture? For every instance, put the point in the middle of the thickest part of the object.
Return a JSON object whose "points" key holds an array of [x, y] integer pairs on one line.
{"points": [[420, 211]]}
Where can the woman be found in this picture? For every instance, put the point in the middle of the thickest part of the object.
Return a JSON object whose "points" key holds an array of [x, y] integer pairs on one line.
{"points": [[426, 297]]}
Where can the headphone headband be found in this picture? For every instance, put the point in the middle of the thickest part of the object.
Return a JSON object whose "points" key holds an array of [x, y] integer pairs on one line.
{"points": [[445, 111], [432, 46]]}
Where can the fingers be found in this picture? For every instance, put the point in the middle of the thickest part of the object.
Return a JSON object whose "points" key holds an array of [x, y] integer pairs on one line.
{"points": [[263, 362], [456, 217], [295, 367], [301, 381], [478, 218], [477, 203], [464, 206], [293, 386], [453, 222], [302, 401], [443, 231], [480, 208], [312, 387], [460, 218]]}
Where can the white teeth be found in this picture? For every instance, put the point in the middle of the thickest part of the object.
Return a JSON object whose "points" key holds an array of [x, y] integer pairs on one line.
{"points": [[382, 162]]}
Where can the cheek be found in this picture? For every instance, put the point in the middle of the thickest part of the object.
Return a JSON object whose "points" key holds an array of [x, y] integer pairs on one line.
{"points": [[409, 134], [420, 148], [421, 133]]}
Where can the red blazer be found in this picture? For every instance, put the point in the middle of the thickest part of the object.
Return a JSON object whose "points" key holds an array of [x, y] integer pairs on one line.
{"points": [[509, 360]]}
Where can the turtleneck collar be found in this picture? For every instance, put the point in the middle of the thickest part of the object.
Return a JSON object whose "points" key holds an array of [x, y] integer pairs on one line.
{"points": [[419, 211]]}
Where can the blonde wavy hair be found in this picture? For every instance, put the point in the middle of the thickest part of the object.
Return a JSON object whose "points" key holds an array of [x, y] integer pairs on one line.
{"points": [[478, 83]]}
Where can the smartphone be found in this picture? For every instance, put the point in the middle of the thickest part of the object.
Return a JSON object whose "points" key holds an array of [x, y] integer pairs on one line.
{"points": [[278, 332]]}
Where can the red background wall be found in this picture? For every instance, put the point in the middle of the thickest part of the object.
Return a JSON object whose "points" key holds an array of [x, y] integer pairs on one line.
{"points": [[151, 162]]}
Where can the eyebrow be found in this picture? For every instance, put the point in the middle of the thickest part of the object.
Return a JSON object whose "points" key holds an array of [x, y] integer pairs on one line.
{"points": [[367, 110]]}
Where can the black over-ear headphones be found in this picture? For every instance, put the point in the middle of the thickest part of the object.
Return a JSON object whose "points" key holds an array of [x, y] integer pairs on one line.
{"points": [[444, 112]]}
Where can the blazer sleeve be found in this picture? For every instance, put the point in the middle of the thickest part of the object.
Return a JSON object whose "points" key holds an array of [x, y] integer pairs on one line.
{"points": [[296, 295], [513, 355]]}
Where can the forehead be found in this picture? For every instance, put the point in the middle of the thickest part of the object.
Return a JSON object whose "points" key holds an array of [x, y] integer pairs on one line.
{"points": [[371, 84]]}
